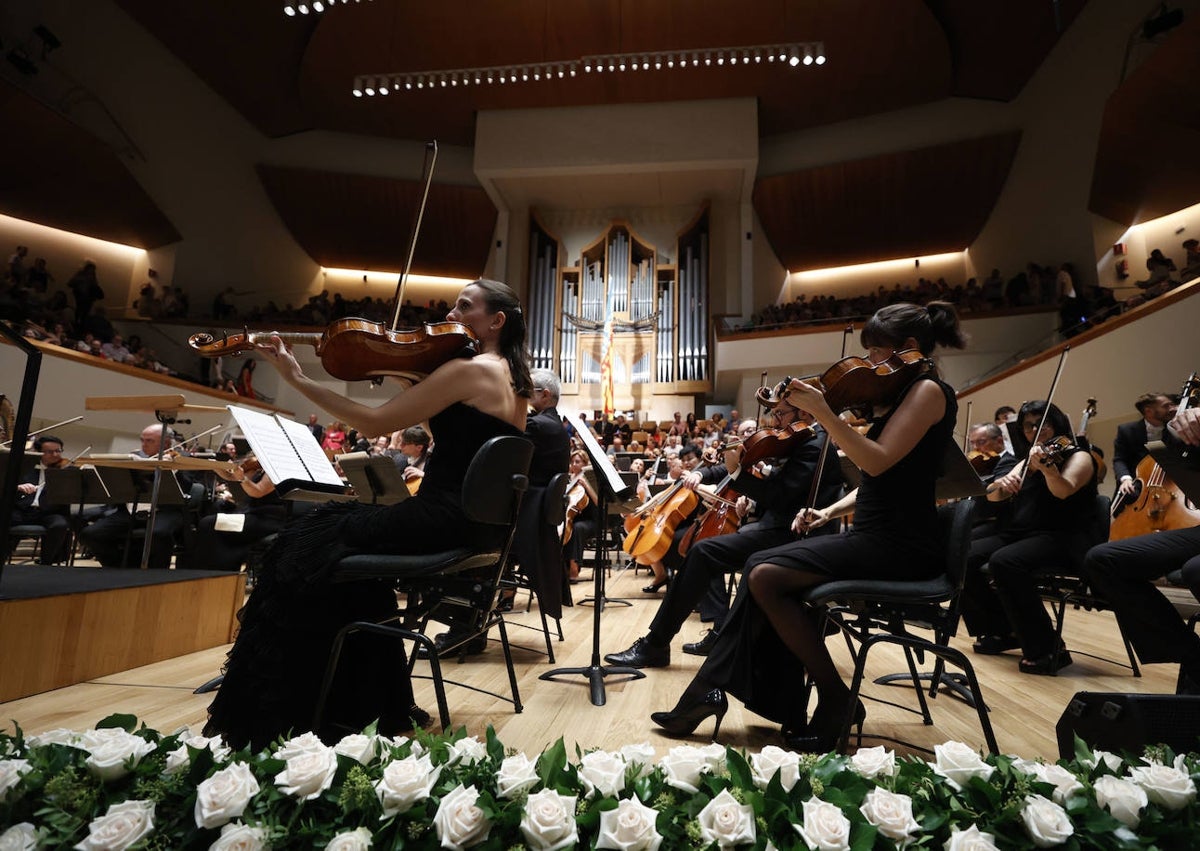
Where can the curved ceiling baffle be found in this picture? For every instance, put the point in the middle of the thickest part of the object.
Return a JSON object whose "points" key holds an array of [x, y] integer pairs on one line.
{"points": [[354, 221], [70, 180], [904, 204], [1146, 162]]}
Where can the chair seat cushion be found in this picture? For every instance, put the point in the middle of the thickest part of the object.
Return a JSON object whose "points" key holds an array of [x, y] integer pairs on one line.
{"points": [[26, 530], [934, 590], [380, 566]]}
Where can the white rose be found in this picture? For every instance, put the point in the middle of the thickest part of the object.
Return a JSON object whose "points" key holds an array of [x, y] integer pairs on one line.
{"points": [[517, 774], [358, 839], [971, 839], [415, 748], [180, 757], [639, 756], [362, 749], [111, 752], [19, 837], [59, 736], [874, 762], [825, 826], [714, 756], [548, 822], [307, 775], [1165, 785], [683, 766], [630, 827], [459, 823], [773, 760], [240, 837], [1123, 798], [224, 796], [1064, 782], [297, 745], [468, 750], [11, 772], [1046, 822], [602, 773], [726, 822], [404, 783], [892, 814], [1111, 760], [958, 763], [124, 824]]}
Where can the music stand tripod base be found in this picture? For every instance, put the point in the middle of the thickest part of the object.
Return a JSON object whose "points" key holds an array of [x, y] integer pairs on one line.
{"points": [[595, 674]]}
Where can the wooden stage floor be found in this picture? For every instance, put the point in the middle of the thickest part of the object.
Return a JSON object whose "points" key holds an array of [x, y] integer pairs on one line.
{"points": [[1024, 708]]}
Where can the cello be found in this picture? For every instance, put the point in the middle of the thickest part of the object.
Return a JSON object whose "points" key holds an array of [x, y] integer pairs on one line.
{"points": [[1160, 504]]}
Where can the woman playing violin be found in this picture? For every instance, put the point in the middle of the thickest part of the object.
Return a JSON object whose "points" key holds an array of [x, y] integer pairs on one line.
{"points": [[770, 633], [586, 520], [1053, 493], [274, 669]]}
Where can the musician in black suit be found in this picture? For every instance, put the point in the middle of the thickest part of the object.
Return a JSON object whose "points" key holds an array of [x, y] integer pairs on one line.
{"points": [[1124, 573], [1129, 448], [318, 430], [106, 538], [30, 509], [782, 495]]}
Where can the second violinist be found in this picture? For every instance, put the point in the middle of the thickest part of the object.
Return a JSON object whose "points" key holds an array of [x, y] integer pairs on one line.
{"points": [[1053, 493], [779, 496], [771, 637]]}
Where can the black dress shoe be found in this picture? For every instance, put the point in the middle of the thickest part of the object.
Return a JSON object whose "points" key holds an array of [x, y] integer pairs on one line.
{"points": [[687, 715], [704, 645], [821, 736], [450, 644], [653, 587], [642, 654]]}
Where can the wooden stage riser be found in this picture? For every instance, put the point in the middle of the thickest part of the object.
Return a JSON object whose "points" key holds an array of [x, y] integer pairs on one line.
{"points": [[51, 642]]}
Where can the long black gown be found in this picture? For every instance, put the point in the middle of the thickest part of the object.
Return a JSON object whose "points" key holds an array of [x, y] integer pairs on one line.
{"points": [[895, 536], [274, 670]]}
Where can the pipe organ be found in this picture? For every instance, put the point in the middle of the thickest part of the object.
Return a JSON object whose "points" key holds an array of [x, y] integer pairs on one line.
{"points": [[620, 293]]}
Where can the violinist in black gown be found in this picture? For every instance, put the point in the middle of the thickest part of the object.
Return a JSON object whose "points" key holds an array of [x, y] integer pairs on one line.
{"points": [[273, 674], [771, 637]]}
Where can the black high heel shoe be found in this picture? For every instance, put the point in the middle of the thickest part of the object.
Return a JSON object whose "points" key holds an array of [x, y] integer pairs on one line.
{"points": [[822, 736], [684, 719], [655, 585]]}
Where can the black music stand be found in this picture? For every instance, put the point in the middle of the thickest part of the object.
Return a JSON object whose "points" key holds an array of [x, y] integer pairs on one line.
{"points": [[609, 486], [957, 480], [375, 478]]}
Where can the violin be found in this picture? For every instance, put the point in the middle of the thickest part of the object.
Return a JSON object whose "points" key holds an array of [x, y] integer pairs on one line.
{"points": [[768, 443], [854, 380], [354, 349], [577, 501], [983, 462]]}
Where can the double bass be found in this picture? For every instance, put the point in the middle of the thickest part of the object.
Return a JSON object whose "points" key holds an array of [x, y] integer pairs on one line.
{"points": [[1160, 505]]}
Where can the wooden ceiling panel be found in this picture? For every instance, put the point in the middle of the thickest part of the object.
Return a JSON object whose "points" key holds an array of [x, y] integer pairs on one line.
{"points": [[1146, 162], [62, 176], [354, 221], [904, 204]]}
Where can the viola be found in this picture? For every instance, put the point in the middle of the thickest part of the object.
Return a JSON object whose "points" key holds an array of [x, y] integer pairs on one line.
{"points": [[855, 381], [1089, 414], [357, 349], [768, 443], [577, 501]]}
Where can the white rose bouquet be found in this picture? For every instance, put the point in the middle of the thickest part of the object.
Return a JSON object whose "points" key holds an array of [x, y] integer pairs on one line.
{"points": [[124, 786]]}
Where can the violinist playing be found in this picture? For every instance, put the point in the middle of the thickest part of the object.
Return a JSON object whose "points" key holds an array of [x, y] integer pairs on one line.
{"points": [[1123, 572], [779, 496], [1053, 492], [29, 508], [991, 460], [770, 637], [273, 673], [585, 522]]}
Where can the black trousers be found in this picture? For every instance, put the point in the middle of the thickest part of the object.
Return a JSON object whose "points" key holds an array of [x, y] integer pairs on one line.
{"points": [[57, 526], [107, 536], [1016, 561], [708, 559], [1122, 572]]}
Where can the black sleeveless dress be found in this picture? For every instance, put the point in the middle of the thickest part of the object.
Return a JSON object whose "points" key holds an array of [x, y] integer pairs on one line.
{"points": [[895, 536], [274, 670]]}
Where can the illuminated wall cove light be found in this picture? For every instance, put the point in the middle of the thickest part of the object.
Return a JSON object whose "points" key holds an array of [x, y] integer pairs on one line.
{"points": [[313, 7], [785, 55]]}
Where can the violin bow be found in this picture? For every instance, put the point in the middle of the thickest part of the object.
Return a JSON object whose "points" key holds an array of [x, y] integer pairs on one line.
{"points": [[1062, 360], [431, 149]]}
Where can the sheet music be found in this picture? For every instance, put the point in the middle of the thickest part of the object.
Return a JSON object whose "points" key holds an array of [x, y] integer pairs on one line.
{"points": [[310, 452], [287, 450]]}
